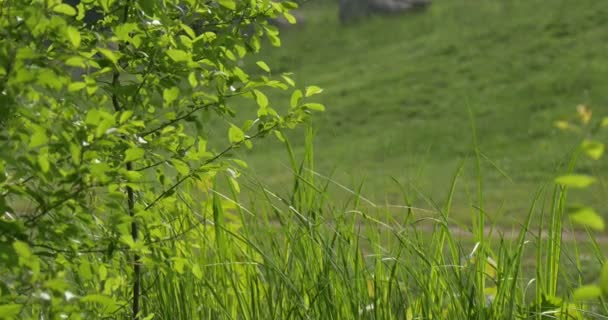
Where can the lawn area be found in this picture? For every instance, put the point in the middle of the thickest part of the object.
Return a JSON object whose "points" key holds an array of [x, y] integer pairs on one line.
{"points": [[403, 94]]}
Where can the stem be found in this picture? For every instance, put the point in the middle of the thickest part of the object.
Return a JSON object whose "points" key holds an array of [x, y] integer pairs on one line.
{"points": [[130, 195]]}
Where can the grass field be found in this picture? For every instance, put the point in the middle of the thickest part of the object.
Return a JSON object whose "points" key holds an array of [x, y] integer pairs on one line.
{"points": [[403, 94]]}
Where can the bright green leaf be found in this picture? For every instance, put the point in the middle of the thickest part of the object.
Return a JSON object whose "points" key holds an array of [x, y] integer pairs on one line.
{"points": [[178, 55], [604, 122], [315, 106], [39, 137], [587, 293], [196, 271], [104, 125], [133, 154], [312, 90], [43, 162], [110, 54], [263, 66], [289, 17], [75, 153], [593, 149], [180, 166], [575, 181], [288, 80], [75, 86], [295, 98], [230, 4], [10, 311], [66, 9], [73, 35], [587, 217], [126, 115], [170, 95], [235, 134], [84, 270], [260, 98]]}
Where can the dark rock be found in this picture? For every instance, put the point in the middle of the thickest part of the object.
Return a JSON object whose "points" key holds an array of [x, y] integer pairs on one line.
{"points": [[352, 10]]}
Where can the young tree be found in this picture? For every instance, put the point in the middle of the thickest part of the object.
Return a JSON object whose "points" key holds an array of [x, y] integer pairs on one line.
{"points": [[104, 123]]}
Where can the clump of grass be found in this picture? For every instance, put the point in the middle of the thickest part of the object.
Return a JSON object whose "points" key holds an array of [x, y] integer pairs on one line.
{"points": [[294, 254]]}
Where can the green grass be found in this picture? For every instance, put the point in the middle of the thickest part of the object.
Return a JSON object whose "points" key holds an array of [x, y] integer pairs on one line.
{"points": [[304, 256], [399, 93]]}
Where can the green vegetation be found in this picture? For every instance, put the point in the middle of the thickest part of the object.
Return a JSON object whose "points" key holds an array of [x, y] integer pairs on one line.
{"points": [[126, 191], [401, 92]]}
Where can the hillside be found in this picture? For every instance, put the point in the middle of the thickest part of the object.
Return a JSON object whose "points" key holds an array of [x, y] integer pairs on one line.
{"points": [[403, 92]]}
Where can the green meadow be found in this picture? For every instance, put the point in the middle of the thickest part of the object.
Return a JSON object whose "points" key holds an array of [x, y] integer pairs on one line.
{"points": [[409, 97]]}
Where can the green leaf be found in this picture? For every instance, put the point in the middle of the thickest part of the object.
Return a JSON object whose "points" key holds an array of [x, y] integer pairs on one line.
{"points": [[43, 162], [289, 17], [10, 311], [575, 180], [75, 86], [66, 9], [39, 137], [23, 250], [133, 154], [234, 184], [230, 4], [260, 98], [295, 98], [263, 66], [107, 302], [312, 90], [75, 153], [235, 134], [315, 106], [126, 115], [587, 293], [170, 95], [84, 270], [178, 55], [593, 149], [587, 217], [288, 80], [274, 39], [196, 271], [104, 125], [111, 55], [604, 122], [180, 166], [73, 35]]}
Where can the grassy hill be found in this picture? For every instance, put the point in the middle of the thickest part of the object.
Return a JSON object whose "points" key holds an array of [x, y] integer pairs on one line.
{"points": [[404, 92]]}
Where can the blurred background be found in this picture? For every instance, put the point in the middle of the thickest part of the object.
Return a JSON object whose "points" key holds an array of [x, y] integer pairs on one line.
{"points": [[412, 87]]}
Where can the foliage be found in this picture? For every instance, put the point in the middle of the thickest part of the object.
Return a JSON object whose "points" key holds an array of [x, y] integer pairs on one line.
{"points": [[104, 124]]}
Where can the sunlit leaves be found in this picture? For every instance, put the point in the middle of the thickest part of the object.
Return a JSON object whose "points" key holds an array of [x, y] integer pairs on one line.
{"points": [[178, 55], [73, 35], [133, 154], [260, 98], [295, 98], [230, 4], [103, 110], [593, 149], [170, 94], [235, 134], [587, 217], [64, 8], [314, 106], [312, 90], [263, 66], [588, 292], [10, 311], [575, 180]]}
